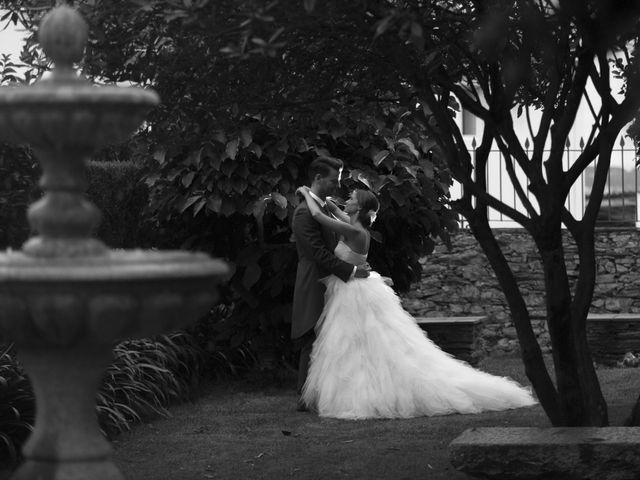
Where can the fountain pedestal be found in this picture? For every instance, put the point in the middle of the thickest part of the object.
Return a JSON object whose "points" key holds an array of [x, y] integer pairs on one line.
{"points": [[65, 299], [67, 439]]}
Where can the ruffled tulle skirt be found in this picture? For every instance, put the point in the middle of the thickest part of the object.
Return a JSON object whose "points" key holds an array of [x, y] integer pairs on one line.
{"points": [[371, 360]]}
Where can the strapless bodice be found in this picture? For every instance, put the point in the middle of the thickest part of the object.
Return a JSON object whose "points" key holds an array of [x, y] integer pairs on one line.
{"points": [[343, 252]]}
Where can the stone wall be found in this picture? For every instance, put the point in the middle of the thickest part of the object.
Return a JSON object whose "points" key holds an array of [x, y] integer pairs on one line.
{"points": [[461, 282]]}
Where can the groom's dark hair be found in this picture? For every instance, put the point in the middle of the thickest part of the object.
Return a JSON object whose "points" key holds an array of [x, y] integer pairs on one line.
{"points": [[323, 166]]}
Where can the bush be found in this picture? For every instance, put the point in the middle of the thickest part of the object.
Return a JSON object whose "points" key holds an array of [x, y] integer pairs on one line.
{"points": [[18, 188], [228, 354], [116, 190], [114, 186]]}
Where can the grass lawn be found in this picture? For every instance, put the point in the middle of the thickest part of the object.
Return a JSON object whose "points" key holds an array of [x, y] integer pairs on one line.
{"points": [[237, 430]]}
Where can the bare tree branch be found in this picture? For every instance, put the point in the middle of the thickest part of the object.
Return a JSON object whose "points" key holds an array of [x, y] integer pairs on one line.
{"points": [[586, 157], [515, 181], [529, 125]]}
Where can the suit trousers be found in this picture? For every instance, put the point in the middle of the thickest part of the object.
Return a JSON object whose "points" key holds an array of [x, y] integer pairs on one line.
{"points": [[305, 345]]}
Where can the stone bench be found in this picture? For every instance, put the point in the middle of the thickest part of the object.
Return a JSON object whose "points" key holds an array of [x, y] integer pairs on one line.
{"points": [[459, 336], [576, 453], [610, 336]]}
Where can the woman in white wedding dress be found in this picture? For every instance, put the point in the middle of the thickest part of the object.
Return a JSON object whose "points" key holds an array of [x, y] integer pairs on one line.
{"points": [[370, 358]]}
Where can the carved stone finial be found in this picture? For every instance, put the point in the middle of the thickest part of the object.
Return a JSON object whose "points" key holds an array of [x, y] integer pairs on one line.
{"points": [[63, 35]]}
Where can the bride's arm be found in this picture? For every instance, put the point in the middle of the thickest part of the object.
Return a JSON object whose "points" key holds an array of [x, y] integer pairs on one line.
{"points": [[336, 211], [338, 226]]}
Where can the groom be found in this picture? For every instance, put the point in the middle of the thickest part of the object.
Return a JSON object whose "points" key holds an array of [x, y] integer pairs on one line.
{"points": [[315, 245]]}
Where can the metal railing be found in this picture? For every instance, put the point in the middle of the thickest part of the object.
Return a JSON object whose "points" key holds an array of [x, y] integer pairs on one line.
{"points": [[620, 205]]}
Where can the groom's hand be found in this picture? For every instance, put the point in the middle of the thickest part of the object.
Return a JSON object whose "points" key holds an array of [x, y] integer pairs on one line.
{"points": [[361, 272], [388, 281]]}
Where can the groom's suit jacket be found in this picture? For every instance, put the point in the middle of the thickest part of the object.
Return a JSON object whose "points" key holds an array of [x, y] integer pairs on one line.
{"points": [[316, 260]]}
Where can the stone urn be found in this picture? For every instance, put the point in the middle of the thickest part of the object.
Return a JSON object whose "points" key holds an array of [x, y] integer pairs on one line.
{"points": [[65, 298]]}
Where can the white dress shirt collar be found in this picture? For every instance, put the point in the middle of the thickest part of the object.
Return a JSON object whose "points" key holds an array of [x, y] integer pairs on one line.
{"points": [[318, 200]]}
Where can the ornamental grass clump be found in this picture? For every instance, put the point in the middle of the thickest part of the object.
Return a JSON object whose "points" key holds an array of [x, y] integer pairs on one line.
{"points": [[146, 376]]}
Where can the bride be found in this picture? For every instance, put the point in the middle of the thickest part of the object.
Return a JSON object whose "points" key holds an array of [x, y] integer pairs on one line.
{"points": [[370, 359]]}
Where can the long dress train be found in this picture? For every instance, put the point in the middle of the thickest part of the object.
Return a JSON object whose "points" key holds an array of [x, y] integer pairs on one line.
{"points": [[371, 360]]}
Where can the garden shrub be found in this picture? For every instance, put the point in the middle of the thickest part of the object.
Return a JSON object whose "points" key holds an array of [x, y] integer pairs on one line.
{"points": [[115, 188], [228, 354], [18, 188]]}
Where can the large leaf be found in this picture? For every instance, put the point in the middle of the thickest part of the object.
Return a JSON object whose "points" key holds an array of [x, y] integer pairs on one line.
{"points": [[279, 200], [232, 149], [380, 157], [187, 180], [189, 202], [410, 146]]}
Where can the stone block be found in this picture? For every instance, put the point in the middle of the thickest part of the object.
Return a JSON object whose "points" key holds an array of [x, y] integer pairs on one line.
{"points": [[469, 292], [476, 309], [456, 308], [509, 332], [530, 453], [610, 336], [458, 336]]}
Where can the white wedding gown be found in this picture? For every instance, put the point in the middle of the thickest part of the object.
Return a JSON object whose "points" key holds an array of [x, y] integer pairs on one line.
{"points": [[371, 360]]}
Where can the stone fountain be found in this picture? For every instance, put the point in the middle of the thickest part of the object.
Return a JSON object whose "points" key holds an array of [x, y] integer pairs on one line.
{"points": [[66, 298]]}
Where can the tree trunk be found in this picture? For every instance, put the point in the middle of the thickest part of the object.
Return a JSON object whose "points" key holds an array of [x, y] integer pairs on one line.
{"points": [[582, 298], [535, 367], [581, 400]]}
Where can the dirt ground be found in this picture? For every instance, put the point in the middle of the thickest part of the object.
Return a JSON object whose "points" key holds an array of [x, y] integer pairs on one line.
{"points": [[237, 430]]}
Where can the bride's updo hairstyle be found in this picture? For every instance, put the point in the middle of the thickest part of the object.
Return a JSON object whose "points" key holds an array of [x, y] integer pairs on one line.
{"points": [[369, 206]]}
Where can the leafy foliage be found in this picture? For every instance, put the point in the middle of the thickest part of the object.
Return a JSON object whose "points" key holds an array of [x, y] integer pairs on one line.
{"points": [[17, 408], [118, 191], [228, 354], [9, 70], [18, 173], [115, 187]]}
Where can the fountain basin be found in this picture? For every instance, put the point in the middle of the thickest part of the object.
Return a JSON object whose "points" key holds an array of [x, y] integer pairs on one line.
{"points": [[76, 115], [100, 299]]}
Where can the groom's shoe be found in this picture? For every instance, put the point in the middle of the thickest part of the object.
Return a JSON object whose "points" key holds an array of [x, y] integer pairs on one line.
{"points": [[301, 406]]}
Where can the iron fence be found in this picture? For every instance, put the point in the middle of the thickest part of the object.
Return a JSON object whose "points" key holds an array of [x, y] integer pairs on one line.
{"points": [[620, 205]]}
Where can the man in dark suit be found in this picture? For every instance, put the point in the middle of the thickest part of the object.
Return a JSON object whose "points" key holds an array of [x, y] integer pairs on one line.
{"points": [[315, 244]]}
